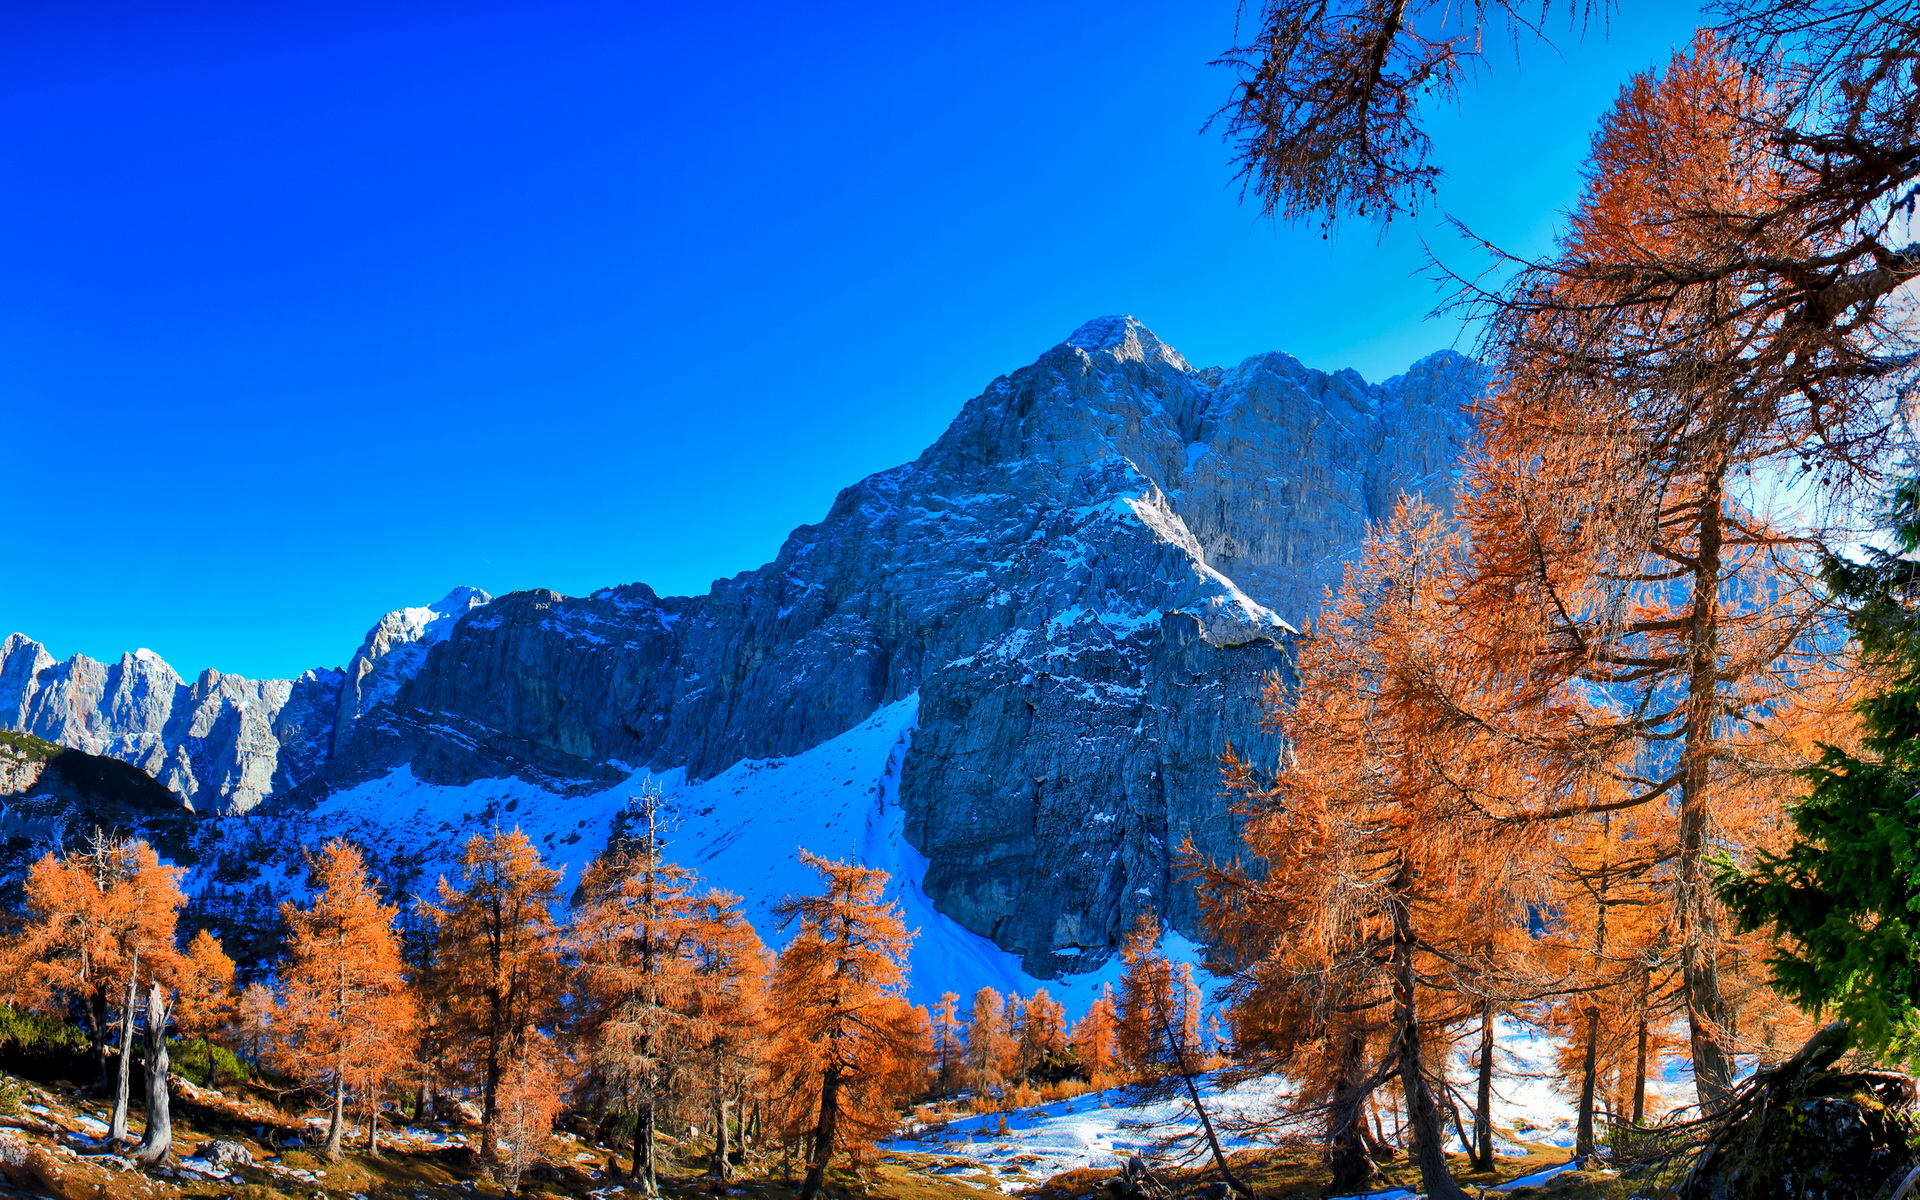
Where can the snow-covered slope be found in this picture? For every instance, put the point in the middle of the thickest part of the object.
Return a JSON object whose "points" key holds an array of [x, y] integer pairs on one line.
{"points": [[740, 831]]}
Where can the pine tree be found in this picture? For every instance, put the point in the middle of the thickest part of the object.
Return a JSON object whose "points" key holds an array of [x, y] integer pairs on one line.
{"points": [[1844, 896], [634, 939], [850, 1045], [500, 961], [347, 1018]]}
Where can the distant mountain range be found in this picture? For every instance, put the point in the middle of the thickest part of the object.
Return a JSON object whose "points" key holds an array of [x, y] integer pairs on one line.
{"points": [[1068, 604]]}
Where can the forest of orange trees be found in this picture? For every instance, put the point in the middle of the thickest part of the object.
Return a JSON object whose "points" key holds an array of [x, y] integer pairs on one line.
{"points": [[1620, 747]]}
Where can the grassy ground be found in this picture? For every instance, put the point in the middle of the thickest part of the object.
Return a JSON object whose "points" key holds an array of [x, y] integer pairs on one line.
{"points": [[40, 1155]]}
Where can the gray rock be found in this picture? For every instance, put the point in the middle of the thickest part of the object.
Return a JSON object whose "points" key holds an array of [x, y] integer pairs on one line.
{"points": [[226, 1154]]}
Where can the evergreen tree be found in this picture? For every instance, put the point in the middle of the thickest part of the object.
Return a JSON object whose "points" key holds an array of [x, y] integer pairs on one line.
{"points": [[1844, 895]]}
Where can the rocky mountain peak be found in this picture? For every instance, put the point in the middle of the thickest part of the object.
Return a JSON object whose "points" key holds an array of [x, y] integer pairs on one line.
{"points": [[1127, 340]]}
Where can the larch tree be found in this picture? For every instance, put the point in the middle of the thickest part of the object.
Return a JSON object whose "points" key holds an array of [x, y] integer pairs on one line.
{"points": [[993, 1052], [1632, 545], [947, 1044], [142, 903], [347, 1017], [1043, 1032], [1157, 1033], [67, 949], [850, 1046], [1094, 1043], [633, 938], [500, 958], [207, 1000], [255, 1018], [532, 1092], [1389, 848], [726, 1011]]}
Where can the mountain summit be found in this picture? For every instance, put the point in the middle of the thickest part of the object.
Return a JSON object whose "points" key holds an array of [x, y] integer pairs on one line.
{"points": [[1079, 589]]}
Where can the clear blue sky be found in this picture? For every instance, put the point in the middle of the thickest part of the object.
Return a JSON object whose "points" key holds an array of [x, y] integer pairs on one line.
{"points": [[312, 310]]}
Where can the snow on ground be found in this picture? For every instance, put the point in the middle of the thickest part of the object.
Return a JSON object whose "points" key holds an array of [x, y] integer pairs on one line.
{"points": [[741, 830], [1098, 1129]]}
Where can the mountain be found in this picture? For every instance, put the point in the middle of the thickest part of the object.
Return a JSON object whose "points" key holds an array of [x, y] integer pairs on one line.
{"points": [[1070, 602]]}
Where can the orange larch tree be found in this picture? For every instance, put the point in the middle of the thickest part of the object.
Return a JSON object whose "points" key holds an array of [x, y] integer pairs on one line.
{"points": [[1043, 1032], [1389, 846], [947, 1044], [533, 1089], [1634, 552], [992, 1054], [346, 1021], [850, 1046], [1094, 1043], [633, 938], [207, 1000], [726, 1011], [499, 958]]}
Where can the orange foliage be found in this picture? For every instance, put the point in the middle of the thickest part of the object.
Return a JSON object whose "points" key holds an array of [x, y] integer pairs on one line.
{"points": [[850, 1046], [347, 1018], [499, 967]]}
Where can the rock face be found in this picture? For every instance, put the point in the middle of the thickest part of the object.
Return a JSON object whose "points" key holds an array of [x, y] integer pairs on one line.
{"points": [[53, 798], [1086, 579]]}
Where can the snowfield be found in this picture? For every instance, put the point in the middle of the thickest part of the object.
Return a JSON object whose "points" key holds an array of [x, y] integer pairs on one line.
{"points": [[741, 830]]}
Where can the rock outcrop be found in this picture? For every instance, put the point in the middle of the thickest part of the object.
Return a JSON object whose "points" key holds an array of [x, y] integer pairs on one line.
{"points": [[1086, 579]]}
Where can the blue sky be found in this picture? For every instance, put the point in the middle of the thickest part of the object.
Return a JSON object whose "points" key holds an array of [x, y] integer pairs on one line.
{"points": [[309, 311]]}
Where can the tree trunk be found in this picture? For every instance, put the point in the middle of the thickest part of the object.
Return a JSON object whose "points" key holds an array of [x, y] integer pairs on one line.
{"points": [[206, 1050], [123, 1087], [644, 1128], [337, 1127], [153, 1148], [722, 1163], [1583, 1131], [1423, 1112], [1640, 1070], [1699, 932], [1483, 1094], [373, 1123], [822, 1135], [1346, 1144], [99, 1007]]}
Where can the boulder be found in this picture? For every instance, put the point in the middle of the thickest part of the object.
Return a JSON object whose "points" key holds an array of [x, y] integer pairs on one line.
{"points": [[1808, 1130], [226, 1154]]}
